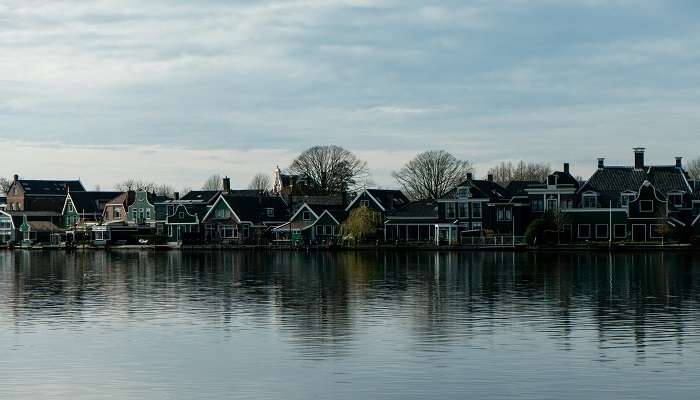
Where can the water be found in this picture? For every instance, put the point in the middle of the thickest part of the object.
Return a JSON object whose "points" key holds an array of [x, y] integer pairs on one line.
{"points": [[423, 325]]}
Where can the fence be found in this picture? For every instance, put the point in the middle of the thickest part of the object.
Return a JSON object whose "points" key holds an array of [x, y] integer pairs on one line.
{"points": [[496, 241]]}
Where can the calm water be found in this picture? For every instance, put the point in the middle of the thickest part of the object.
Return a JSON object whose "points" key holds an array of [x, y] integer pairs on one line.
{"points": [[385, 325]]}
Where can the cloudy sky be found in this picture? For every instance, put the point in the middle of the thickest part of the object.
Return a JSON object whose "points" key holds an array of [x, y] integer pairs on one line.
{"points": [[177, 90]]}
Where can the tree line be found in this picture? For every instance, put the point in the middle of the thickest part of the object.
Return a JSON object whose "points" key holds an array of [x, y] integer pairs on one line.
{"points": [[333, 169]]}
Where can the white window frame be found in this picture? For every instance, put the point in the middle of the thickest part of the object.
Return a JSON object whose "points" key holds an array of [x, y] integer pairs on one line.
{"points": [[462, 192], [477, 225], [364, 203], [578, 231], [477, 206], [626, 198], [270, 212], [306, 215], [607, 231], [641, 206], [538, 201], [450, 210], [587, 197], [673, 196], [615, 231]]}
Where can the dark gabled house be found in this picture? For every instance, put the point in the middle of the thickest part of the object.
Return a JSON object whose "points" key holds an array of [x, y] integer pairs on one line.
{"points": [[463, 211], [379, 202], [179, 219], [638, 203], [239, 217], [558, 191], [85, 208], [313, 224]]}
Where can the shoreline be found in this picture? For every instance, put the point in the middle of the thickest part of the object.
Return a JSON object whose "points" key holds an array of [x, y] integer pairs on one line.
{"points": [[268, 248]]}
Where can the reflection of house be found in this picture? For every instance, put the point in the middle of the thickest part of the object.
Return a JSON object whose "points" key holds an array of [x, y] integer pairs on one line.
{"points": [[313, 223]]}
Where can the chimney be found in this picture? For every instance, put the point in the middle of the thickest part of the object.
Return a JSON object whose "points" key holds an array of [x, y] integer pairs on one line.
{"points": [[490, 177], [227, 185], [639, 157], [66, 187], [176, 195], [469, 176], [679, 162], [566, 167], [601, 163], [15, 178]]}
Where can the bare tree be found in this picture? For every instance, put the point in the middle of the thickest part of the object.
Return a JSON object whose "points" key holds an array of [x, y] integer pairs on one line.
{"points": [[693, 168], [260, 182], [5, 185], [185, 190], [132, 184], [331, 169], [163, 190], [506, 171], [214, 182], [432, 174]]}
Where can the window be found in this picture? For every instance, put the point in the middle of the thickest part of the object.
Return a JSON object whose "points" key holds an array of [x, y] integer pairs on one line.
{"points": [[463, 209], [620, 231], [696, 207], [552, 204], [537, 205], [171, 209], [222, 213], [567, 204], [676, 199], [462, 193], [450, 210], [646, 206], [170, 230], [330, 230], [99, 235], [656, 231], [319, 230], [245, 231], [504, 214], [364, 203], [270, 212], [117, 212], [584, 231], [229, 231], [306, 215], [476, 226], [601, 231], [148, 213], [590, 200], [182, 214], [476, 210], [70, 207], [626, 198]]}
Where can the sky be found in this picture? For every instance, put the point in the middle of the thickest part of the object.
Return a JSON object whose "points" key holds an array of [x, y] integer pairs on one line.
{"points": [[175, 91]]}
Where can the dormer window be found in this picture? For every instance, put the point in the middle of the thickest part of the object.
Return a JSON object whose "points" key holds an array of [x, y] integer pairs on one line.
{"points": [[646, 206], [626, 198], [364, 203], [590, 200], [306, 215], [676, 199], [462, 193], [270, 212]]}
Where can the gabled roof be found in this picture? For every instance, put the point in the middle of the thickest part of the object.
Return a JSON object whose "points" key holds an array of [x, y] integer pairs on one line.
{"points": [[610, 181], [204, 196], [480, 189], [254, 208], [92, 202], [49, 187], [517, 188], [423, 209], [386, 199]]}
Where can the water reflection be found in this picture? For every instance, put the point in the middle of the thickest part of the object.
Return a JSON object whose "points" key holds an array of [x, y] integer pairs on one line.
{"points": [[378, 309]]}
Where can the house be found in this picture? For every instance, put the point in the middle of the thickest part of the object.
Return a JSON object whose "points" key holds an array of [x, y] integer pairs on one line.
{"points": [[558, 191], [466, 210], [645, 201], [39, 195], [141, 210], [178, 219], [313, 224], [81, 209], [379, 202], [243, 218], [116, 209], [39, 203], [7, 228]]}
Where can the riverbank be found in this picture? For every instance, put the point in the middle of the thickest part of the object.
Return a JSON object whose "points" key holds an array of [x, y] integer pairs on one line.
{"points": [[380, 247]]}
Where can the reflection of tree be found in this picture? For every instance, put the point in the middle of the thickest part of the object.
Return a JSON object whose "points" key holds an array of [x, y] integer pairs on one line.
{"points": [[322, 301]]}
